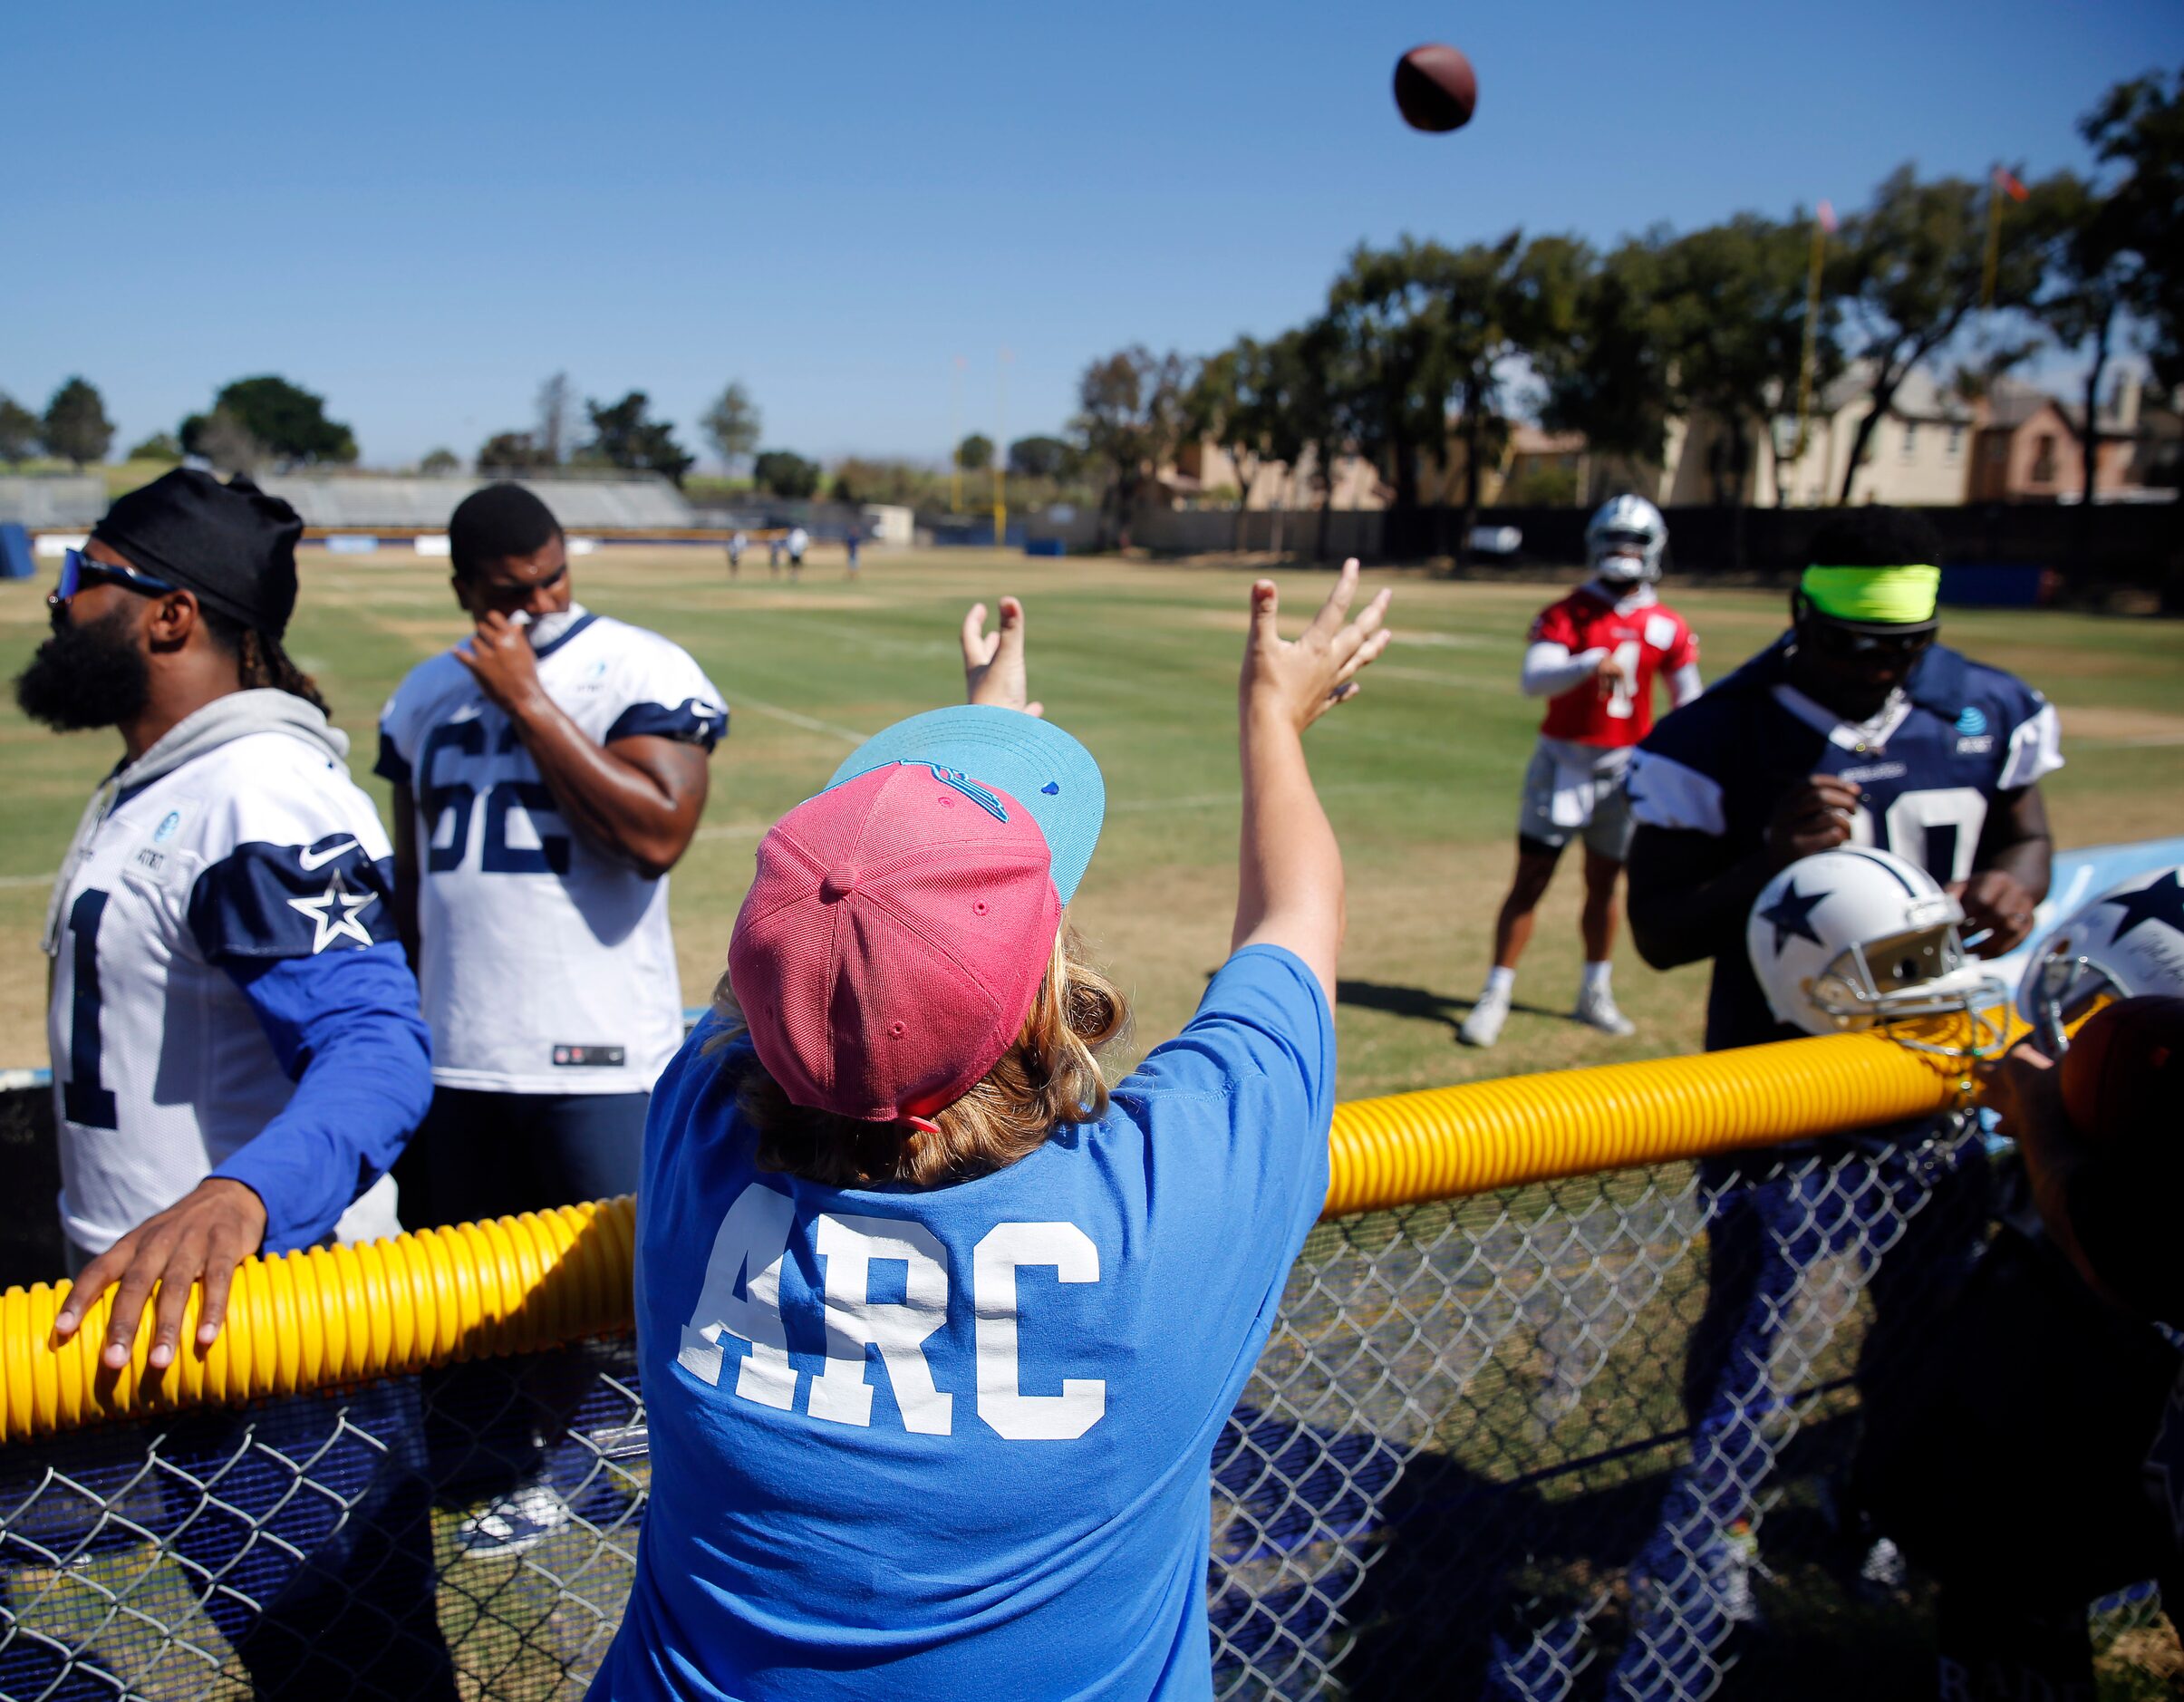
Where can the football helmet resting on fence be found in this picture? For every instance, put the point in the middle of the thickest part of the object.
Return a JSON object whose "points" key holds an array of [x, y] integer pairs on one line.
{"points": [[1855, 937], [1625, 541], [2126, 942]]}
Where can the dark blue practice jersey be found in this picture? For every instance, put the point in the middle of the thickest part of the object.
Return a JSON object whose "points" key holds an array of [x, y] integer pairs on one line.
{"points": [[1929, 768]]}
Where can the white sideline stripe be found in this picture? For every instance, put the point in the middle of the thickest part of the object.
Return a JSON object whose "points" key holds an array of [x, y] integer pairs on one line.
{"points": [[810, 723], [10, 880]]}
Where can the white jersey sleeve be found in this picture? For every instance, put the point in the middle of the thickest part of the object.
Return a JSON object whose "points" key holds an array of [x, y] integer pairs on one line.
{"points": [[259, 850]]}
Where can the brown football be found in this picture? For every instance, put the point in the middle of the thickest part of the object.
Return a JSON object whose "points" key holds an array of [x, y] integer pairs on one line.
{"points": [[1435, 88], [2123, 1076]]}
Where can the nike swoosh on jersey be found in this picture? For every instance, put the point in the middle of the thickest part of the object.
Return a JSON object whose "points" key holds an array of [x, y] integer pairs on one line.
{"points": [[319, 859]]}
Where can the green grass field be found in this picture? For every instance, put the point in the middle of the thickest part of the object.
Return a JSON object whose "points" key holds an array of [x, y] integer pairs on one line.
{"points": [[1420, 775]]}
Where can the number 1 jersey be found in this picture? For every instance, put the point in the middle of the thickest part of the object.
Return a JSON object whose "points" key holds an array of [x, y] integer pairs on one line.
{"points": [[547, 965]]}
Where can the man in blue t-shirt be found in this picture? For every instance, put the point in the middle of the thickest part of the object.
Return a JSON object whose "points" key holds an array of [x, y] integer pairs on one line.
{"points": [[936, 1334]]}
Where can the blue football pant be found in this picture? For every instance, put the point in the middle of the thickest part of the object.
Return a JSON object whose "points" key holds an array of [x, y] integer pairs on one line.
{"points": [[1909, 1213]]}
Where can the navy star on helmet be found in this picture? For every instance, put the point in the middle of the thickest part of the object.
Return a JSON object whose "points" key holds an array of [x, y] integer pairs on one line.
{"points": [[2124, 944], [1625, 541], [1791, 915], [1854, 938]]}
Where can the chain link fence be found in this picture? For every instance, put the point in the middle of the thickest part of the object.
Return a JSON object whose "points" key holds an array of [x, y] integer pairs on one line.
{"points": [[1669, 1432]]}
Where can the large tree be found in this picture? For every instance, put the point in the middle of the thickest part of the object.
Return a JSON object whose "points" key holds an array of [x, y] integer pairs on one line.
{"points": [[1129, 419], [1914, 266], [1041, 458], [76, 428], [1505, 301], [624, 434], [19, 430], [974, 454], [731, 424], [2139, 126], [1387, 331], [2093, 278], [288, 422], [1609, 377], [1734, 300], [783, 473], [513, 452], [1236, 402]]}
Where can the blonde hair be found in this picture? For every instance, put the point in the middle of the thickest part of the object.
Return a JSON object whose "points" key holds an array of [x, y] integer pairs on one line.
{"points": [[1050, 1078]]}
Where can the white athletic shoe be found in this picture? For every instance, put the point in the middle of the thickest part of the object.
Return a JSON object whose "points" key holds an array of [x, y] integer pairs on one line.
{"points": [[1596, 1007], [1482, 1027], [511, 1524]]}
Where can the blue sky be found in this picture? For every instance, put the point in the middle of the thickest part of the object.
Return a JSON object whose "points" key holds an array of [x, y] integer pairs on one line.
{"points": [[421, 211]]}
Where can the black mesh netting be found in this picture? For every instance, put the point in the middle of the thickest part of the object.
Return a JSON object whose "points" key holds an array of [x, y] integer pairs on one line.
{"points": [[1749, 1428]]}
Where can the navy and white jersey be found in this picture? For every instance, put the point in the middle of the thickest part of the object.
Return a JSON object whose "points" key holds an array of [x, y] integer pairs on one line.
{"points": [[546, 964], [1929, 768], [224, 931]]}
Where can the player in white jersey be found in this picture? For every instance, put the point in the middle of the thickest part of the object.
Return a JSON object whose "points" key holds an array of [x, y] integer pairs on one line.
{"points": [[236, 1046], [548, 773]]}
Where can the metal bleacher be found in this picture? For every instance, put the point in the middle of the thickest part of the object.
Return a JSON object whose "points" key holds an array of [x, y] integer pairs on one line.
{"points": [[345, 502]]}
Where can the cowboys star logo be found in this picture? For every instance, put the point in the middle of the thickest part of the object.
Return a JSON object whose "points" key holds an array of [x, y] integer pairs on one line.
{"points": [[327, 924]]}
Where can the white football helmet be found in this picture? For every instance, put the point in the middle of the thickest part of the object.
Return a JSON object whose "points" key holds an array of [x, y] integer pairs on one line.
{"points": [[1854, 937], [1625, 541], [2126, 942]]}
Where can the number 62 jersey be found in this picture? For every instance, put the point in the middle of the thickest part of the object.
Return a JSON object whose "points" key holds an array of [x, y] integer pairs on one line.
{"points": [[545, 965]]}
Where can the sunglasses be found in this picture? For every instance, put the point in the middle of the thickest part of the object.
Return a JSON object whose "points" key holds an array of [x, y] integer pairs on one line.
{"points": [[78, 570], [1844, 640]]}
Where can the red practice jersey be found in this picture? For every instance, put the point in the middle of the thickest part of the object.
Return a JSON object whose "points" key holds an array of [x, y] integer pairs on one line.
{"points": [[1649, 640]]}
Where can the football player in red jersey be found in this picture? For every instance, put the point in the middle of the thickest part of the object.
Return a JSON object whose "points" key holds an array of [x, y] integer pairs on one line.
{"points": [[1594, 656]]}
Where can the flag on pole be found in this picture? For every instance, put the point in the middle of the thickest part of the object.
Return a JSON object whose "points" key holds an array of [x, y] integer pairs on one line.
{"points": [[1828, 221], [2008, 183]]}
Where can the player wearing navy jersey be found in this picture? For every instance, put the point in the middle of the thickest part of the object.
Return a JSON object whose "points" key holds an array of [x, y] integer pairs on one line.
{"points": [[548, 771], [236, 1047], [1852, 728], [1855, 728]]}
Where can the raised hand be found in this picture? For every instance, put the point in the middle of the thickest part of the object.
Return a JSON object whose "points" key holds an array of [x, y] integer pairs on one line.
{"points": [[1300, 681], [993, 665]]}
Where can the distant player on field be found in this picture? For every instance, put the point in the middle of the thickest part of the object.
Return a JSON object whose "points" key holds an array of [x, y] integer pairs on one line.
{"points": [[737, 543], [237, 1054], [852, 544], [549, 770], [797, 542], [1594, 656]]}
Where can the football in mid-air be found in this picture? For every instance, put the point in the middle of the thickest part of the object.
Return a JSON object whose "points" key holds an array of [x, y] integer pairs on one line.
{"points": [[1435, 88], [2123, 1075]]}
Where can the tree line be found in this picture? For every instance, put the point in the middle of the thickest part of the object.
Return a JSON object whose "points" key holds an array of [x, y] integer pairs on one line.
{"points": [[1723, 321]]}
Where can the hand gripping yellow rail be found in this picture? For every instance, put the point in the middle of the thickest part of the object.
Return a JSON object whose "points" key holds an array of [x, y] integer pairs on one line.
{"points": [[334, 1315]]}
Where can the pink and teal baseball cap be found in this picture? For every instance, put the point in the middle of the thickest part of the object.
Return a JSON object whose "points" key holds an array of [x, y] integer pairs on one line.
{"points": [[900, 922], [1031, 759]]}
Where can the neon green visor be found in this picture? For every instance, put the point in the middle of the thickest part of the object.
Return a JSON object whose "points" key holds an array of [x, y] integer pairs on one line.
{"points": [[1895, 596]]}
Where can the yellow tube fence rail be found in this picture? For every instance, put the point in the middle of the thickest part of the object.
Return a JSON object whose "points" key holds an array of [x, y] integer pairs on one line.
{"points": [[336, 1315]]}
